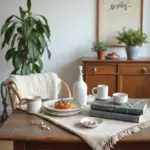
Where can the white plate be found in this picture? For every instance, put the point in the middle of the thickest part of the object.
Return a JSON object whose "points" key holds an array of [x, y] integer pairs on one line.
{"points": [[107, 98], [62, 114], [87, 119], [112, 57], [50, 105], [58, 112]]}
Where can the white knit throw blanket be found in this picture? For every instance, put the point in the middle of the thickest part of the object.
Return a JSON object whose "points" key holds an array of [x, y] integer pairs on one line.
{"points": [[45, 85], [106, 135]]}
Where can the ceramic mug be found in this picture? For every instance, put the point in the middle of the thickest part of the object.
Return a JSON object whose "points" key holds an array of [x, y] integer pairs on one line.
{"points": [[102, 91], [34, 104]]}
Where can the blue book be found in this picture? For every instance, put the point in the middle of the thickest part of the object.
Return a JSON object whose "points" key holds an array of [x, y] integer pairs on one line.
{"points": [[109, 106], [114, 116]]}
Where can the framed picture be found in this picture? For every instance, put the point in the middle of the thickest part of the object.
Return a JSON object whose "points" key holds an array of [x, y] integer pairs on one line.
{"points": [[113, 15]]}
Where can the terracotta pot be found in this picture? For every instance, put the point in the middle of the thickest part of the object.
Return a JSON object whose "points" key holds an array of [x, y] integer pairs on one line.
{"points": [[101, 55]]}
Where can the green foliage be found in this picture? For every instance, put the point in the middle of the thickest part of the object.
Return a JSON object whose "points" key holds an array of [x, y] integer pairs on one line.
{"points": [[132, 37], [27, 37], [100, 46]]}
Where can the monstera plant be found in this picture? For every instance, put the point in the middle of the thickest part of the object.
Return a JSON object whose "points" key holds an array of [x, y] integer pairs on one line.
{"points": [[27, 37]]}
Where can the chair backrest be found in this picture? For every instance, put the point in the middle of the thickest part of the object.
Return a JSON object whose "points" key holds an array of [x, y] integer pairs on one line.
{"points": [[45, 85]]}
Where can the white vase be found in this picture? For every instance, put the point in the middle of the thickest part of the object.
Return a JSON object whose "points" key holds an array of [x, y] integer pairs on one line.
{"points": [[80, 89]]}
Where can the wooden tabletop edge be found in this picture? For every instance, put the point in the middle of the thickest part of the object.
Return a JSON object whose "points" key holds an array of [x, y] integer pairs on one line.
{"points": [[43, 139]]}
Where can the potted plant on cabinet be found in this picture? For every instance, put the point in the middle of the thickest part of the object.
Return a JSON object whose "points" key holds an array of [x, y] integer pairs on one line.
{"points": [[100, 48], [27, 37], [133, 40]]}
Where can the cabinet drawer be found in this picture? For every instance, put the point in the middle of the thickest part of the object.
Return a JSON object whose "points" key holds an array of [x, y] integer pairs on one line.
{"points": [[134, 68], [97, 69]]}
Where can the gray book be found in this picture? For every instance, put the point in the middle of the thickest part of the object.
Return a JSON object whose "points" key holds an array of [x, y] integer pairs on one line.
{"points": [[109, 106], [114, 116]]}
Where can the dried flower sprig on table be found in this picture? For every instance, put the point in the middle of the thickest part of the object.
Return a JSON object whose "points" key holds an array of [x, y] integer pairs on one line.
{"points": [[41, 123]]}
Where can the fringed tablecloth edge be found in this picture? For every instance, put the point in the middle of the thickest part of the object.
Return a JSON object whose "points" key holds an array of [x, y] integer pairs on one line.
{"points": [[115, 138]]}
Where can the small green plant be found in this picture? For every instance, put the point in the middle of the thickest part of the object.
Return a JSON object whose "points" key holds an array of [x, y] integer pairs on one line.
{"points": [[132, 37], [27, 36], [100, 46]]}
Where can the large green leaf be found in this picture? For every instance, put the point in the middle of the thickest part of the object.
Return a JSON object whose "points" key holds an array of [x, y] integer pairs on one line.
{"points": [[9, 33], [40, 26], [21, 44], [17, 59], [4, 27], [3, 44], [44, 45], [35, 39], [40, 63], [27, 28], [47, 31], [6, 24], [14, 40], [46, 26], [25, 69], [36, 68], [34, 36], [38, 45], [42, 41], [49, 53], [9, 18], [24, 29], [33, 51], [29, 5], [9, 54], [44, 19], [22, 13]]}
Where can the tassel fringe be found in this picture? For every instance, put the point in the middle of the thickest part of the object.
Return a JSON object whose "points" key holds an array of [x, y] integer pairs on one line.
{"points": [[115, 138]]}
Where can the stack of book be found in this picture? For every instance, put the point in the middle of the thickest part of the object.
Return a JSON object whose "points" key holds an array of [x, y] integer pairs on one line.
{"points": [[125, 112]]}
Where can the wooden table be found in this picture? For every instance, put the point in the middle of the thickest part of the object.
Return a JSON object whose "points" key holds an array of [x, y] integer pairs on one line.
{"points": [[31, 137]]}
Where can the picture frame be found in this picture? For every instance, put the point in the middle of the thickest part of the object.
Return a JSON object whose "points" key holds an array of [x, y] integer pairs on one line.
{"points": [[113, 15]]}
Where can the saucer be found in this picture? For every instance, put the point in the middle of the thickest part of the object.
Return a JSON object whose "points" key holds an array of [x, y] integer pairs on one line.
{"points": [[99, 98], [87, 122]]}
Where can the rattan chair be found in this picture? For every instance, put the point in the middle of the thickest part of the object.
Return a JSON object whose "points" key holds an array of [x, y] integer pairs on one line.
{"points": [[13, 92]]}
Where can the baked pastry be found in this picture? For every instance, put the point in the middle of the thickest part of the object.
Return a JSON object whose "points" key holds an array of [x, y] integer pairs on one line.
{"points": [[63, 104]]}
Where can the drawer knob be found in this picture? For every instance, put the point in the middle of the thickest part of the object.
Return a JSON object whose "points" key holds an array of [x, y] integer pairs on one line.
{"points": [[144, 70], [95, 70]]}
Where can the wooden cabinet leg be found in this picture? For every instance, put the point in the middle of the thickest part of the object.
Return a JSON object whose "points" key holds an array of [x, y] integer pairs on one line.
{"points": [[19, 146]]}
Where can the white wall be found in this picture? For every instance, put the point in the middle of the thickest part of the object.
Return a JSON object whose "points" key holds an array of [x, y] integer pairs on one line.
{"points": [[73, 27]]}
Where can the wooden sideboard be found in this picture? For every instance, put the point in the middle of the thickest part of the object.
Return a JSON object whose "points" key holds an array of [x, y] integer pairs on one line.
{"points": [[121, 75]]}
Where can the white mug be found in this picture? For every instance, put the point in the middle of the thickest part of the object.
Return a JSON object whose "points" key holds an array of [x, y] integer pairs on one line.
{"points": [[102, 91], [34, 104]]}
